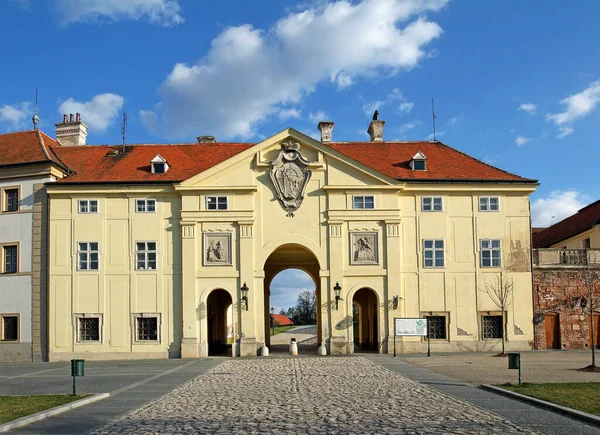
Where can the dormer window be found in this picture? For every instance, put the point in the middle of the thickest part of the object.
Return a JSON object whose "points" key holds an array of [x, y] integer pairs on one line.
{"points": [[418, 162], [159, 165]]}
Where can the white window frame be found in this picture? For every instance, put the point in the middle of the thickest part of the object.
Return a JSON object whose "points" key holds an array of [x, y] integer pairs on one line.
{"points": [[432, 201], [4, 199], [433, 251], [146, 252], [414, 166], [135, 317], [76, 323], [363, 198], [145, 203], [2, 316], [487, 205], [491, 249], [88, 207], [88, 252], [217, 199]]}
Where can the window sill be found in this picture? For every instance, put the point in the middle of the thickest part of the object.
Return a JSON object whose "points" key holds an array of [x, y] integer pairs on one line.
{"points": [[89, 342], [10, 341], [147, 342]]}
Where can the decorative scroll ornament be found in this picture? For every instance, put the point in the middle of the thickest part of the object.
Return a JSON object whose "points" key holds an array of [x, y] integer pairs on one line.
{"points": [[290, 175]]}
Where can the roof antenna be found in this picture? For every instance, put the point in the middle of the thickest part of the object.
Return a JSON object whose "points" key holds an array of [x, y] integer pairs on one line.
{"points": [[35, 118], [124, 128], [433, 117]]}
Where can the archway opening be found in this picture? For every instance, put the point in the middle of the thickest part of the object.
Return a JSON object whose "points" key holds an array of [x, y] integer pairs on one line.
{"points": [[365, 309], [292, 288], [220, 322]]}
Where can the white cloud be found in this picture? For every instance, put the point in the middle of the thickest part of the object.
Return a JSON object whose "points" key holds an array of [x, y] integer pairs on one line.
{"points": [[577, 106], [161, 12], [249, 74], [370, 108], [452, 121], [150, 121], [528, 107], [406, 107], [437, 135], [557, 206], [343, 80], [99, 112], [16, 115], [289, 113], [409, 126], [522, 140], [318, 116], [565, 131]]}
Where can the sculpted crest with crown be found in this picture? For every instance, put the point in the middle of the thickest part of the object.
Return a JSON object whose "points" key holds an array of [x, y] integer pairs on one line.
{"points": [[290, 175]]}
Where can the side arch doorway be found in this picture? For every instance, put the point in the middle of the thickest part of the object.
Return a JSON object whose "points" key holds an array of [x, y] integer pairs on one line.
{"points": [[219, 323], [365, 320], [305, 277]]}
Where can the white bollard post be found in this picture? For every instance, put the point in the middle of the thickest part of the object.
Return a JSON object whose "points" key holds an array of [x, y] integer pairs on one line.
{"points": [[322, 350], [264, 351], [293, 347]]}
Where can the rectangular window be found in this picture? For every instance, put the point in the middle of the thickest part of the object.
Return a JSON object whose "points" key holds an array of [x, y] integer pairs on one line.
{"points": [[88, 255], [363, 202], [433, 253], [11, 200], [88, 329], [216, 203], [145, 205], [10, 256], [587, 244], [432, 203], [146, 328], [491, 327], [489, 203], [145, 254], [491, 253], [9, 327], [88, 206], [418, 165], [437, 327]]}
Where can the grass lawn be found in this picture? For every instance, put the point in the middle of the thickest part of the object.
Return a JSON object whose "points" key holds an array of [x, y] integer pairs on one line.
{"points": [[13, 407], [280, 329], [581, 396]]}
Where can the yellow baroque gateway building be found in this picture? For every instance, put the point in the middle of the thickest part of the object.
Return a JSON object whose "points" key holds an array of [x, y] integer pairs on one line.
{"points": [[150, 245]]}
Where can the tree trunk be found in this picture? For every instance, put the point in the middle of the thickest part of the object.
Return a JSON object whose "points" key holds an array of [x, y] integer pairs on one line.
{"points": [[592, 335], [503, 331]]}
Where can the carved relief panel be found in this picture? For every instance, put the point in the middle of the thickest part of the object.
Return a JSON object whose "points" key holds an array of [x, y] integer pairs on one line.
{"points": [[364, 248], [217, 249]]}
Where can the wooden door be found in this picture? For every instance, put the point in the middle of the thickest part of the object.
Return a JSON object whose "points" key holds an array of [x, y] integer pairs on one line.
{"points": [[552, 331], [596, 320]]}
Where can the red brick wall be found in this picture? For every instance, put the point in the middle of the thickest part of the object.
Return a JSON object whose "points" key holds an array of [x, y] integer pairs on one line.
{"points": [[559, 291]]}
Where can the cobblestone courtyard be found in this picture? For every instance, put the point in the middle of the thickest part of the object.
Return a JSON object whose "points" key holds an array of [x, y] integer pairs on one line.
{"points": [[307, 395]]}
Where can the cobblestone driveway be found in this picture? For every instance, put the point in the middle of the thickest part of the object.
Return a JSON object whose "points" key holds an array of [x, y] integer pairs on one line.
{"points": [[307, 395]]}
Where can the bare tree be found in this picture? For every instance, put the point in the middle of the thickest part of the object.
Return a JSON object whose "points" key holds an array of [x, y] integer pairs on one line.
{"points": [[500, 291], [590, 299]]}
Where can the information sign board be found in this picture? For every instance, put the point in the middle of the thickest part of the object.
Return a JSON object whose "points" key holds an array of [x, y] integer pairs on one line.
{"points": [[410, 327]]}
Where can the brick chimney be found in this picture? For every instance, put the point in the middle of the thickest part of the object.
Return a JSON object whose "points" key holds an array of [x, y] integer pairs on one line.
{"points": [[72, 131], [376, 130], [206, 139], [325, 127]]}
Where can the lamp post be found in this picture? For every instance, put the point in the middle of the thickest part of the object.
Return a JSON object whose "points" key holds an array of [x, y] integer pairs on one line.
{"points": [[337, 289], [272, 322], [244, 290]]}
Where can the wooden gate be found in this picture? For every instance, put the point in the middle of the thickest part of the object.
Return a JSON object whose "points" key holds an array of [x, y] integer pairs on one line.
{"points": [[552, 331], [596, 320]]}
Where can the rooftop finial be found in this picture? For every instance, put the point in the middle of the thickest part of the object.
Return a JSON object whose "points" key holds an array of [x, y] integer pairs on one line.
{"points": [[376, 115], [35, 118]]}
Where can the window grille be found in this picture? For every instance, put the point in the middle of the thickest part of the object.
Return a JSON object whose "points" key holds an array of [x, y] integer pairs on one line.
{"points": [[10, 328], [437, 327], [492, 327], [147, 328], [89, 329]]}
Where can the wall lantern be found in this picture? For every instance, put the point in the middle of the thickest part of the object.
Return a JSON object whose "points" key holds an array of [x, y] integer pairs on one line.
{"points": [[337, 289], [244, 290], [272, 321], [395, 303], [583, 303]]}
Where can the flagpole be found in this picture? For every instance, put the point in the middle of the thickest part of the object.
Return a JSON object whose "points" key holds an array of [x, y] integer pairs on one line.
{"points": [[433, 117]]}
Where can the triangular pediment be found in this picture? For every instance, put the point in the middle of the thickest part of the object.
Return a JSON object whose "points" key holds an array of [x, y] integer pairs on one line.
{"points": [[260, 156]]}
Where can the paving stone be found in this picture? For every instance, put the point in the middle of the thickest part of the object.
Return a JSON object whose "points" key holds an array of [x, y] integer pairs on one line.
{"points": [[307, 395]]}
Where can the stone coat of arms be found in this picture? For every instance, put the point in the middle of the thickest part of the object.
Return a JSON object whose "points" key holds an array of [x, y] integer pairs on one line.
{"points": [[290, 175]]}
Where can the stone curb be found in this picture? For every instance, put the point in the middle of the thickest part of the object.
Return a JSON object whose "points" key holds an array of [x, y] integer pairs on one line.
{"points": [[579, 415], [24, 421]]}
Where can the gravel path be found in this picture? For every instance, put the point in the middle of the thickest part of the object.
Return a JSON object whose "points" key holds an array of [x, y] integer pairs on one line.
{"points": [[307, 395]]}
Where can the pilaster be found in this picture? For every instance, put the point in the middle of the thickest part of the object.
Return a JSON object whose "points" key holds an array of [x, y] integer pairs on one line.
{"points": [[336, 343], [248, 318], [189, 342]]}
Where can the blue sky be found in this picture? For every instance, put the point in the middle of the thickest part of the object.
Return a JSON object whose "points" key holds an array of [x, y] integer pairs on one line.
{"points": [[516, 84]]}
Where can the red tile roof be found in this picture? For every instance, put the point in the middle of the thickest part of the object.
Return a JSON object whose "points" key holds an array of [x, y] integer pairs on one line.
{"points": [[27, 147], [283, 320], [583, 220], [443, 162], [94, 164]]}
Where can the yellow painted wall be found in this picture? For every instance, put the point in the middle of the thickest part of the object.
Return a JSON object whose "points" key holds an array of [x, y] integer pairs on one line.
{"points": [[258, 225]]}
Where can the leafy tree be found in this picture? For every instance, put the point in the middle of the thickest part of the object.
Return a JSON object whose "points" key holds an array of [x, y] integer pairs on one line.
{"points": [[306, 308], [500, 291]]}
